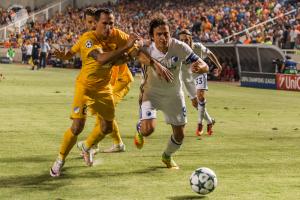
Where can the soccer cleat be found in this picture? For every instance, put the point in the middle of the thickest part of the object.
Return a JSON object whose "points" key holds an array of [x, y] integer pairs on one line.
{"points": [[169, 162], [94, 150], [139, 140], [115, 148], [209, 127], [55, 170], [86, 155], [199, 130]]}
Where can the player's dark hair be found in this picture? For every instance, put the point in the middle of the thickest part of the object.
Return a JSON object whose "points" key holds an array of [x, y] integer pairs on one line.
{"points": [[156, 23], [99, 11], [90, 11]]}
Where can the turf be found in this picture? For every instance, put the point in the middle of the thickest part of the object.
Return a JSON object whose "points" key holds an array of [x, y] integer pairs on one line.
{"points": [[254, 151]]}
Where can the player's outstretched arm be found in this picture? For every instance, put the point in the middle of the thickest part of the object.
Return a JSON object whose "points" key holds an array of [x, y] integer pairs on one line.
{"points": [[162, 71], [62, 55], [110, 57], [215, 60]]}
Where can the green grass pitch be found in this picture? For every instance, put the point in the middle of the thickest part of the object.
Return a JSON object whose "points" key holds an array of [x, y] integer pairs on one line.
{"points": [[254, 151]]}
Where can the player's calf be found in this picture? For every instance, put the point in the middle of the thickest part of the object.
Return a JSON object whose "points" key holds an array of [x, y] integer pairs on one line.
{"points": [[210, 126]]}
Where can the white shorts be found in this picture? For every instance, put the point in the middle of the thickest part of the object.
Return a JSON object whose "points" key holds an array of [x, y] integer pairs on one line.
{"points": [[201, 82], [173, 108]]}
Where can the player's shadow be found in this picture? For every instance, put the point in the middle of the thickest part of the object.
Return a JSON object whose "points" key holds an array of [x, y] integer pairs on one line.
{"points": [[42, 181], [28, 159], [148, 170], [188, 197], [32, 180]]}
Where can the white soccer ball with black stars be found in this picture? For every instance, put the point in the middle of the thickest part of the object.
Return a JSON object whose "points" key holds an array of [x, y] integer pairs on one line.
{"points": [[203, 180]]}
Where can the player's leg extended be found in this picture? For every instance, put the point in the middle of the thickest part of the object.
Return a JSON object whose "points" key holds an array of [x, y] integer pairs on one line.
{"points": [[69, 140], [101, 129], [203, 114], [201, 110], [70, 136], [121, 88], [173, 145], [103, 107], [145, 128], [146, 124]]}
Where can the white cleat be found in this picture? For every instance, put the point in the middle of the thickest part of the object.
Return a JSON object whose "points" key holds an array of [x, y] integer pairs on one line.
{"points": [[87, 155], [115, 148], [55, 170]]}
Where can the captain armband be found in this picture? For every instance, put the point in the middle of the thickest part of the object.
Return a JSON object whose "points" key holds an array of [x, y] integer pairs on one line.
{"points": [[192, 58]]}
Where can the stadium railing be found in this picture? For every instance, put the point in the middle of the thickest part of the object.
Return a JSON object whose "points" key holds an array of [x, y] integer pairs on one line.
{"points": [[41, 15], [253, 28]]}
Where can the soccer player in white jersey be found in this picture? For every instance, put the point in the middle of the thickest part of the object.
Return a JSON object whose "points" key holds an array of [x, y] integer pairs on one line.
{"points": [[200, 80], [157, 94]]}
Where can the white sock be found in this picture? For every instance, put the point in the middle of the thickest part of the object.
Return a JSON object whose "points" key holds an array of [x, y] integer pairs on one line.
{"points": [[172, 146], [201, 110], [207, 117]]}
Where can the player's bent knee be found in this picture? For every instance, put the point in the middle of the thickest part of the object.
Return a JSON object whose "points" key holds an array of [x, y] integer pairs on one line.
{"points": [[107, 127], [77, 126]]}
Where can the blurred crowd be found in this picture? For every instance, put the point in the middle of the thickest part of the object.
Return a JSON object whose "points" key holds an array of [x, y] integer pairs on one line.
{"points": [[209, 21]]}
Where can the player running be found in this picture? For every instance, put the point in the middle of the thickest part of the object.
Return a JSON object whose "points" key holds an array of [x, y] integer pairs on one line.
{"points": [[100, 50], [121, 79], [200, 80], [157, 94]]}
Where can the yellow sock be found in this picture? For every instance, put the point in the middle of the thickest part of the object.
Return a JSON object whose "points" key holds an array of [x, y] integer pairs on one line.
{"points": [[116, 134], [68, 142], [95, 136]]}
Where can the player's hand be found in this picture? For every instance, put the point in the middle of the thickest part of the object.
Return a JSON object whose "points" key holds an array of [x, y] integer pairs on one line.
{"points": [[59, 54], [216, 72], [199, 67], [195, 102], [122, 59], [133, 37], [163, 72]]}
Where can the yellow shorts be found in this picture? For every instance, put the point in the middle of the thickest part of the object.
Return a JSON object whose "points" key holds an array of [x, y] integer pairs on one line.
{"points": [[120, 89], [99, 102]]}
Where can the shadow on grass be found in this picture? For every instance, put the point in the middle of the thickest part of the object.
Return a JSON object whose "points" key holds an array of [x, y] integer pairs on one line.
{"points": [[28, 159], [42, 181], [45, 182], [148, 170], [188, 197]]}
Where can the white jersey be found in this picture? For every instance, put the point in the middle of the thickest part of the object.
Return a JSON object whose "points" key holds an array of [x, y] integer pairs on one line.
{"points": [[195, 81], [178, 53], [200, 50], [158, 94]]}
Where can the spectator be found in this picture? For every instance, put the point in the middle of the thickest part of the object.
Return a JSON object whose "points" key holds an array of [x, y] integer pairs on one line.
{"points": [[24, 50], [28, 52], [45, 48], [35, 53]]}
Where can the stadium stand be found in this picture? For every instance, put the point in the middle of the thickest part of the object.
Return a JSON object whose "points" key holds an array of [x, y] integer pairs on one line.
{"points": [[209, 21]]}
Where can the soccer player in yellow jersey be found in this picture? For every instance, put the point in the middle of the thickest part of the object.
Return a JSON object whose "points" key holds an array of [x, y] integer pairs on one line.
{"points": [[100, 50], [121, 79], [93, 89]]}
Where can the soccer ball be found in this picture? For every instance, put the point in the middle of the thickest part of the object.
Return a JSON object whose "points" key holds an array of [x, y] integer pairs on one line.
{"points": [[203, 180]]}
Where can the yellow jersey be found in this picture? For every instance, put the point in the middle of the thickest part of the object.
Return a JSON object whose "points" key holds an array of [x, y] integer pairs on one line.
{"points": [[92, 74]]}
